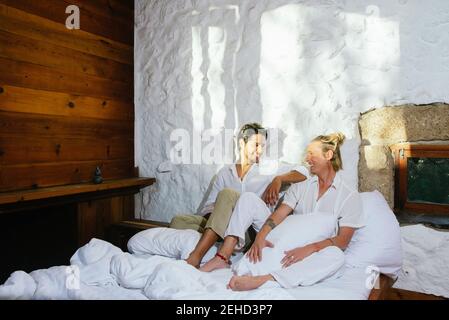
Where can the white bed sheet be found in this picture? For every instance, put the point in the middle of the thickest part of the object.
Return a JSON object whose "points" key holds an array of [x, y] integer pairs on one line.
{"points": [[105, 272]]}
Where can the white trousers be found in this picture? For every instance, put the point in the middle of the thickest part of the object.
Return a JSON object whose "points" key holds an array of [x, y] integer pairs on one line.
{"points": [[250, 210], [317, 267]]}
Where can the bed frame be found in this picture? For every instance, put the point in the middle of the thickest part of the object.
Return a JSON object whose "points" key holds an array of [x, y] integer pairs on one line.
{"points": [[381, 293]]}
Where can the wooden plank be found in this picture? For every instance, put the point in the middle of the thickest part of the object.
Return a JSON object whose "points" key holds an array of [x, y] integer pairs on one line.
{"points": [[87, 221], [21, 149], [25, 100], [96, 217], [48, 126], [429, 208], [20, 48], [384, 283], [89, 21], [59, 191], [121, 11], [115, 213], [41, 29], [28, 75], [142, 224], [439, 147], [128, 207], [400, 294], [19, 177]]}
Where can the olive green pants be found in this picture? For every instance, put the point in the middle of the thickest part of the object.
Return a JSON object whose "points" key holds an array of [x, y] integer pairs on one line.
{"points": [[218, 220]]}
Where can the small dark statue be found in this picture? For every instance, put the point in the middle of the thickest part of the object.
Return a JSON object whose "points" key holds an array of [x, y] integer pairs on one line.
{"points": [[97, 176]]}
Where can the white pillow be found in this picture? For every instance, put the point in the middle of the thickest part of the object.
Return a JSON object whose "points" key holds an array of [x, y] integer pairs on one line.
{"points": [[378, 243], [295, 231], [167, 242]]}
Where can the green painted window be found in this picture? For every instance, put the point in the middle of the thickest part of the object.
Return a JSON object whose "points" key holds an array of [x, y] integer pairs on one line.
{"points": [[428, 180]]}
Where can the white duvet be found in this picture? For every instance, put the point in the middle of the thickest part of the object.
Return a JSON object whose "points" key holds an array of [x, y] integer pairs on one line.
{"points": [[100, 270]]}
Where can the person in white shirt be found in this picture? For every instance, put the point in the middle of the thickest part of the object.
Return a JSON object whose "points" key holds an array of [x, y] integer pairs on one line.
{"points": [[244, 176], [326, 192]]}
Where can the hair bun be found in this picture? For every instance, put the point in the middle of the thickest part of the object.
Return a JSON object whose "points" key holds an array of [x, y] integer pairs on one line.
{"points": [[339, 137]]}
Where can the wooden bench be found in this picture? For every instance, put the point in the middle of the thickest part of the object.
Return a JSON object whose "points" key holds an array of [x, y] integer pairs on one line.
{"points": [[122, 231]]}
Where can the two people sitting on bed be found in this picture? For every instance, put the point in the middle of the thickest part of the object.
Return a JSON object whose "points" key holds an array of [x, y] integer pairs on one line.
{"points": [[231, 181], [324, 192]]}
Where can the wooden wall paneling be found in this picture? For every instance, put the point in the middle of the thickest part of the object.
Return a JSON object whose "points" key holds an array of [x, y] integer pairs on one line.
{"points": [[25, 100], [90, 21], [46, 126], [43, 53], [66, 103], [117, 10], [18, 177], [22, 23], [28, 75], [35, 149]]}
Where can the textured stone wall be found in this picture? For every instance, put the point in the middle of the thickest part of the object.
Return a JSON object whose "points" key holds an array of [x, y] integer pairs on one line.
{"points": [[386, 126], [308, 67]]}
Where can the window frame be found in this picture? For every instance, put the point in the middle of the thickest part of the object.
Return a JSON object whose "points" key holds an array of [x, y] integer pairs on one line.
{"points": [[401, 153]]}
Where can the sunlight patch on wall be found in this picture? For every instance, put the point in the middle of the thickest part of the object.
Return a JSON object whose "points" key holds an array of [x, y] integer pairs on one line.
{"points": [[319, 64], [216, 88], [198, 105]]}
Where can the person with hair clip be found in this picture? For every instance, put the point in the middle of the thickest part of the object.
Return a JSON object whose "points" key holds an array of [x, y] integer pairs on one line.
{"points": [[231, 181], [325, 192]]}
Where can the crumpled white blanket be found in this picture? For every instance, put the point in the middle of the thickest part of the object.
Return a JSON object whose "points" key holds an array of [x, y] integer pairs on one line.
{"points": [[19, 286], [93, 261], [132, 271], [88, 277], [102, 271]]}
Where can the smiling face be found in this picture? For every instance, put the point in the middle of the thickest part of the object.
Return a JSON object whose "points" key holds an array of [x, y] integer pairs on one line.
{"points": [[254, 148], [318, 160]]}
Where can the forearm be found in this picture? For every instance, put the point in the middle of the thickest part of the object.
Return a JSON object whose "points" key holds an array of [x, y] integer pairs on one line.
{"points": [[276, 218], [291, 177], [341, 240]]}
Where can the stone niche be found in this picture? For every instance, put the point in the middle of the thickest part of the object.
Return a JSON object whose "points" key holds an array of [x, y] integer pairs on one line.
{"points": [[386, 126]]}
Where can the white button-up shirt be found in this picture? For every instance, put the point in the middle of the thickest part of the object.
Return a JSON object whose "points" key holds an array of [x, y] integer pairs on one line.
{"points": [[255, 180], [341, 200]]}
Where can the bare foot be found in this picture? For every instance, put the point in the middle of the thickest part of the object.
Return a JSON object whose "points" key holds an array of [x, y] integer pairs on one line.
{"points": [[193, 261], [244, 283], [214, 264]]}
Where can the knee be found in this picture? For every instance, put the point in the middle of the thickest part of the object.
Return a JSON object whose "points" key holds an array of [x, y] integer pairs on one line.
{"points": [[187, 221], [228, 194], [177, 220]]}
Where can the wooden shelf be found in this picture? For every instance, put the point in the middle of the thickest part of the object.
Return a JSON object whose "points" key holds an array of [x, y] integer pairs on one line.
{"points": [[71, 193]]}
